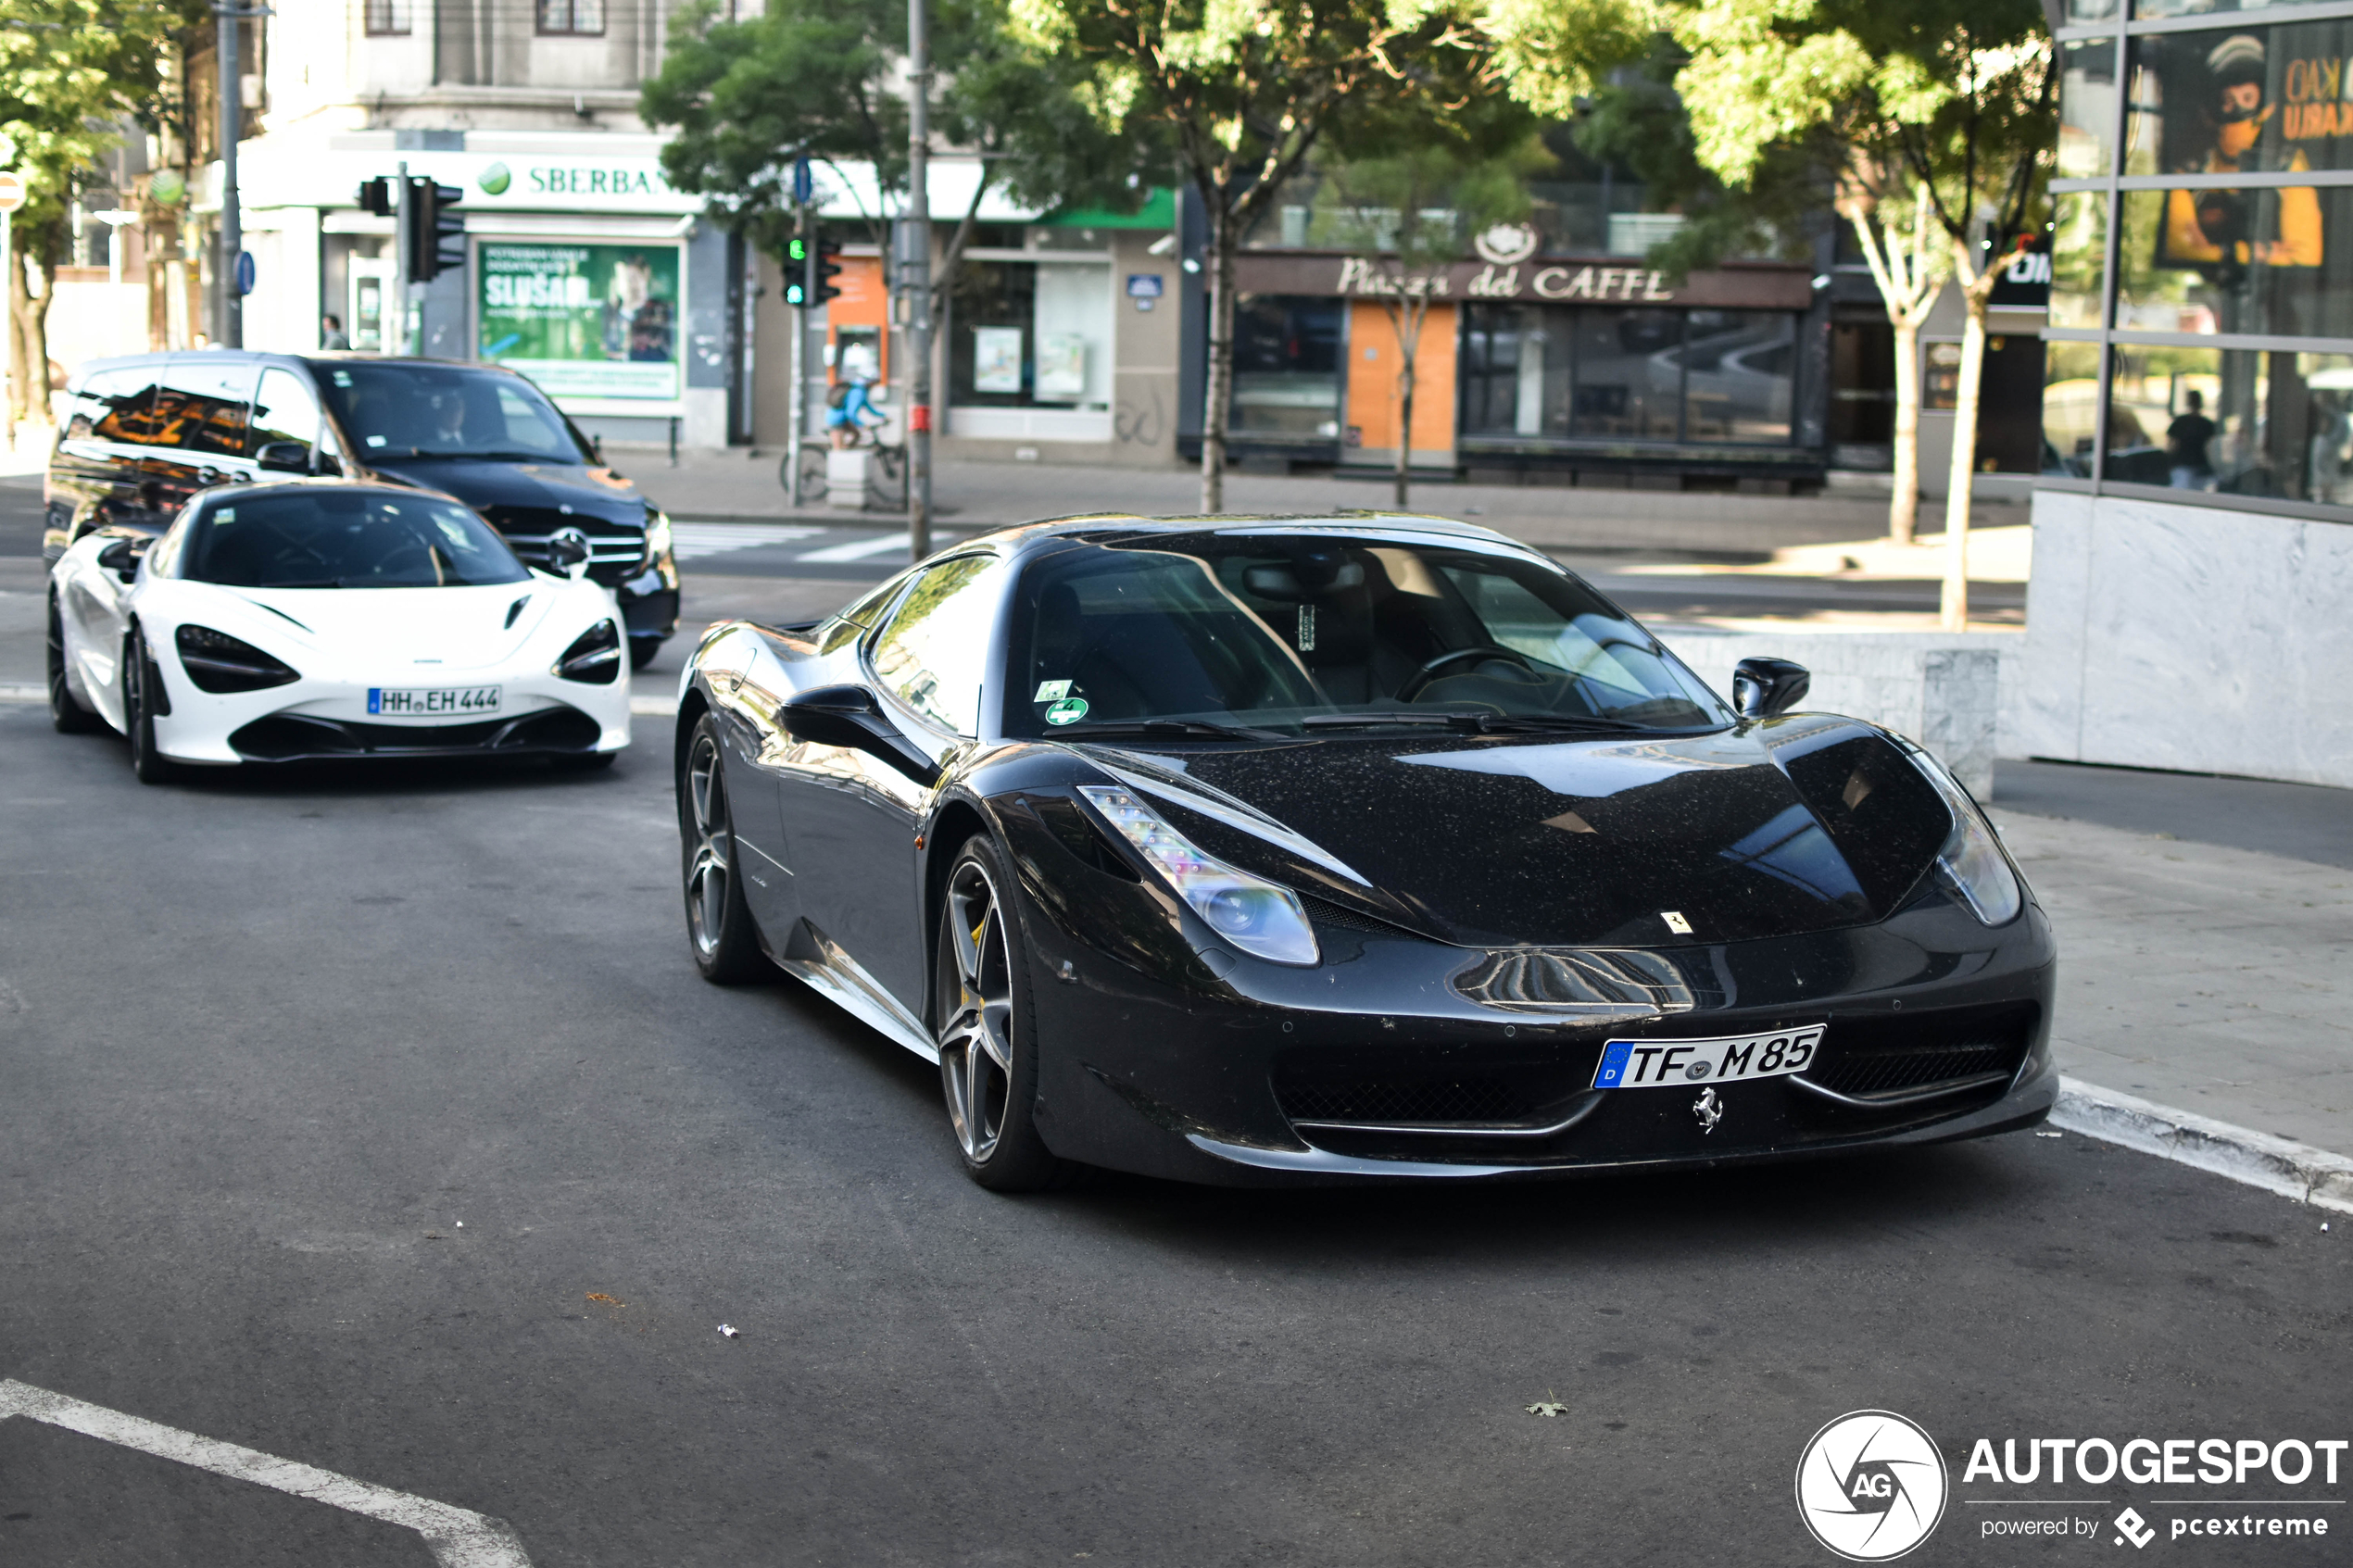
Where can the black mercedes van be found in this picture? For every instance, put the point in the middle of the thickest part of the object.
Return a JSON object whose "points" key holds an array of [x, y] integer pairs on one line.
{"points": [[142, 433]]}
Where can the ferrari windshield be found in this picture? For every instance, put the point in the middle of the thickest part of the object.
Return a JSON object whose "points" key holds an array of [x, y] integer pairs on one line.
{"points": [[408, 410], [327, 537], [1308, 632]]}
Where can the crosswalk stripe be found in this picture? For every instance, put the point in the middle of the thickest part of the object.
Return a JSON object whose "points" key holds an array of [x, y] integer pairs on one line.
{"points": [[692, 540], [859, 549]]}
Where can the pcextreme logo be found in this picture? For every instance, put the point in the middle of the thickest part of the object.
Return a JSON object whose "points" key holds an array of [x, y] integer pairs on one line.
{"points": [[1871, 1486]]}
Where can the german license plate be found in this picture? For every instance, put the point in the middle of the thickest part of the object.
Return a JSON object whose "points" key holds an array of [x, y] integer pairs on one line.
{"points": [[1648, 1064], [431, 701]]}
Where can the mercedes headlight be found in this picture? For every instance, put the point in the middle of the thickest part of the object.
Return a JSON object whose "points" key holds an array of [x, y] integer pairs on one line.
{"points": [[1972, 865], [657, 536], [1257, 916]]}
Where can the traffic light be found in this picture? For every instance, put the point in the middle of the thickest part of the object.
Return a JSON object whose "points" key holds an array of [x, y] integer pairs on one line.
{"points": [[436, 236], [796, 271], [376, 197], [822, 269]]}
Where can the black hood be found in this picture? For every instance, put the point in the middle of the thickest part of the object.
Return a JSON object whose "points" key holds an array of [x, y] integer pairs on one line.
{"points": [[537, 493], [1773, 828]]}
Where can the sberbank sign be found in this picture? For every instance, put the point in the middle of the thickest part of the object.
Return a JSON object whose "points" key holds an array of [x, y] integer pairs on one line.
{"points": [[610, 180]]}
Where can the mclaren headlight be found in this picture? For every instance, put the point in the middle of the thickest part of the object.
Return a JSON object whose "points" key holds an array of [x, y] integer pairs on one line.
{"points": [[1257, 916], [594, 656], [219, 663], [1972, 865]]}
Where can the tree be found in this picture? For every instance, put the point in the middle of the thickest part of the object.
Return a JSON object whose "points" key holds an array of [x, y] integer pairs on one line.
{"points": [[72, 72], [1945, 101], [822, 78], [1420, 189], [1243, 90]]}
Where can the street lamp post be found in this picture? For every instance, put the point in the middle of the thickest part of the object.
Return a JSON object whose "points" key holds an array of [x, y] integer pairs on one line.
{"points": [[227, 57], [916, 278]]}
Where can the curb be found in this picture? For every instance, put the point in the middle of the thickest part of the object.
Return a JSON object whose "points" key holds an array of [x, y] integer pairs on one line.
{"points": [[2292, 1170]]}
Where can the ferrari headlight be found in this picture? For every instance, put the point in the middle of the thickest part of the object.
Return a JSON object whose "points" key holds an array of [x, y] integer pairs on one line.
{"points": [[218, 662], [594, 656], [1972, 865], [657, 541], [1253, 913]]}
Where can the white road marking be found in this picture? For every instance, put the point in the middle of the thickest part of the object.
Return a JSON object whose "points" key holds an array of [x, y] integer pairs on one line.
{"points": [[693, 540], [653, 707], [859, 549], [16, 691], [458, 1537]]}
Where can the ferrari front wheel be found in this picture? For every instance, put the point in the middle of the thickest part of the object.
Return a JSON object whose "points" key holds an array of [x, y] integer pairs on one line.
{"points": [[987, 1044], [719, 928]]}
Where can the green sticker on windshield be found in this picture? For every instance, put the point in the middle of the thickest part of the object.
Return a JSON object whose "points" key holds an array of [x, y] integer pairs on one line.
{"points": [[1069, 711]]}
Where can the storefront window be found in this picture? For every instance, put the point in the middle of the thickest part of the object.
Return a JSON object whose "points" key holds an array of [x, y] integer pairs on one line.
{"points": [[2070, 408], [2239, 423], [2080, 12], [2079, 252], [2246, 100], [1287, 367], [1026, 334], [2254, 261], [1708, 376], [2148, 10], [2087, 109]]}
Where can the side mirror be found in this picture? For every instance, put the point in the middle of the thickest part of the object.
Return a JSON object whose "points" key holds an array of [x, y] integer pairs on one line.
{"points": [[283, 456], [122, 558], [1762, 687], [850, 716], [568, 552]]}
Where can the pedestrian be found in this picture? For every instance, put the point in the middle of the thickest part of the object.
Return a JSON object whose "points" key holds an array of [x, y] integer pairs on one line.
{"points": [[2186, 439], [330, 333]]}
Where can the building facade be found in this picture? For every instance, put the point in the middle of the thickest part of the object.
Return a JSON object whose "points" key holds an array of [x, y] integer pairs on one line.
{"points": [[2192, 593]]}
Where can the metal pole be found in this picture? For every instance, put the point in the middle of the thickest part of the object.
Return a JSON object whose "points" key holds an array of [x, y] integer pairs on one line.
{"points": [[795, 426], [8, 327], [401, 218], [915, 277], [226, 59]]}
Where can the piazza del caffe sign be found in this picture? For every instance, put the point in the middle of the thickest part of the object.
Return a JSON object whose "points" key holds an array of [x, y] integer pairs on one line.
{"points": [[1541, 280]]}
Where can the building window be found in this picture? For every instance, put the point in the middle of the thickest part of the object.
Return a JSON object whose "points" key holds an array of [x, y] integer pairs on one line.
{"points": [[572, 18], [1710, 377], [387, 17], [1288, 367], [1030, 334]]}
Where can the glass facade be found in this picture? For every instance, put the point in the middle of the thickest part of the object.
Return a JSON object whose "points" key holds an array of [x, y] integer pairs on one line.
{"points": [[1567, 373], [2200, 335]]}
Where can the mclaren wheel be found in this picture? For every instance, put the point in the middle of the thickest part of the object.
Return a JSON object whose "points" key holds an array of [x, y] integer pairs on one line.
{"points": [[719, 928], [987, 1044], [138, 694], [65, 709]]}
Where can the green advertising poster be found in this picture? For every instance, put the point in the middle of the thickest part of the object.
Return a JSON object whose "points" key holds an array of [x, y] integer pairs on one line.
{"points": [[582, 320]]}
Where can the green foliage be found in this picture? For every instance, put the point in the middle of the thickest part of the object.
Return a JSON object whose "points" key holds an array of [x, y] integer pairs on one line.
{"points": [[72, 72], [822, 76]]}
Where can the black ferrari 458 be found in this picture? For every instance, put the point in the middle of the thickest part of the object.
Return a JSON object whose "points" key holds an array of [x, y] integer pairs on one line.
{"points": [[1238, 849]]}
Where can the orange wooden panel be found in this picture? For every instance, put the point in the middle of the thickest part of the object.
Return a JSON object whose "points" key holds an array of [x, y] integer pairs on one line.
{"points": [[1373, 364]]}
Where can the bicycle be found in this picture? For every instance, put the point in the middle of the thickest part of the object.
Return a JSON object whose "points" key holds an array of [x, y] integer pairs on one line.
{"points": [[885, 472]]}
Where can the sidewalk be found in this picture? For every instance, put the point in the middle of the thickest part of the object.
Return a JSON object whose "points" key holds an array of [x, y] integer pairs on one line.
{"points": [[973, 496]]}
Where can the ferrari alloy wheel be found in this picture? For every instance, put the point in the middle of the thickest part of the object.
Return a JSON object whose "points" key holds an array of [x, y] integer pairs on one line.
{"points": [[139, 713], [719, 924], [65, 709], [987, 1064]]}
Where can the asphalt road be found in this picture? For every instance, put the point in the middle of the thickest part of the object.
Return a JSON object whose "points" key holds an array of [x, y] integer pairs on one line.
{"points": [[266, 1042]]}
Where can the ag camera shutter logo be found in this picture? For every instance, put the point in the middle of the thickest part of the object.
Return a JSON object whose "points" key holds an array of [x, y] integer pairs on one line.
{"points": [[1871, 1486]]}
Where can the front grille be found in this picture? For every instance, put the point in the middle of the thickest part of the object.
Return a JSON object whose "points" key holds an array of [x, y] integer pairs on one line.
{"points": [[288, 737], [1323, 912], [614, 548], [1407, 1101], [1896, 1056]]}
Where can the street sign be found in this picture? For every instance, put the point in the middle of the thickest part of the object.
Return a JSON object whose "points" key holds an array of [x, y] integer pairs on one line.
{"points": [[12, 192], [244, 271]]}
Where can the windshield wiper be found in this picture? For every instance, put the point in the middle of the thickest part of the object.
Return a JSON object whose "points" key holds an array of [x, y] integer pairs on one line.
{"points": [[1172, 727], [1508, 722], [1476, 724]]}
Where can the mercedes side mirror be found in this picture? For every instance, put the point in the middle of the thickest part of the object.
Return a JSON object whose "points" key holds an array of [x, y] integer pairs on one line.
{"points": [[122, 558], [850, 717], [283, 456], [1762, 687]]}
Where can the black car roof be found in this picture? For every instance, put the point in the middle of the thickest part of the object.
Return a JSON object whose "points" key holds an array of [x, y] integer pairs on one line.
{"points": [[1092, 527], [276, 357]]}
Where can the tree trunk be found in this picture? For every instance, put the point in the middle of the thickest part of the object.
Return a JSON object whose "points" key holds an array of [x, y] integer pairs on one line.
{"points": [[28, 324], [1953, 607], [1407, 320], [1218, 395], [1904, 504]]}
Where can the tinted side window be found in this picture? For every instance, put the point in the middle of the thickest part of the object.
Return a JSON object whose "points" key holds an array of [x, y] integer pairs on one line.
{"points": [[284, 410], [201, 406], [116, 406], [930, 655]]}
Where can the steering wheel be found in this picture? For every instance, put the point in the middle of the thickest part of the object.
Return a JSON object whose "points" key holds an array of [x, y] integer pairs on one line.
{"points": [[1422, 677]]}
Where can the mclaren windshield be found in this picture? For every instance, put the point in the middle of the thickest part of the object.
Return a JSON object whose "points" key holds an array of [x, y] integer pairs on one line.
{"points": [[320, 536], [1249, 632]]}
